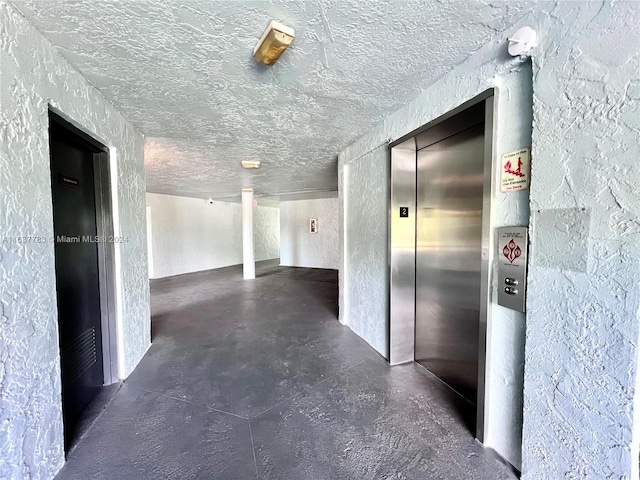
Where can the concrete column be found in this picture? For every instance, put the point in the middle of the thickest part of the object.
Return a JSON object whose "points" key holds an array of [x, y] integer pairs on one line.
{"points": [[248, 257]]}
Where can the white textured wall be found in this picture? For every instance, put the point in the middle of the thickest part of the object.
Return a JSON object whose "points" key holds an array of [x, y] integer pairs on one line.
{"points": [[581, 328], [364, 275], [299, 247], [189, 235], [506, 327], [266, 232], [32, 76]]}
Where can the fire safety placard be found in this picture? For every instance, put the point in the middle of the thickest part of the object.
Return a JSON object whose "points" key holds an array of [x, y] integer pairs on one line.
{"points": [[515, 171]]}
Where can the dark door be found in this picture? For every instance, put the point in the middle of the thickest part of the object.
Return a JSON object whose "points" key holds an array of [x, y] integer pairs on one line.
{"points": [[77, 279]]}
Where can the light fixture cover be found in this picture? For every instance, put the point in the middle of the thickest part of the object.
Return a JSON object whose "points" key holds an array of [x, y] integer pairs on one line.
{"points": [[250, 164], [522, 41], [274, 41]]}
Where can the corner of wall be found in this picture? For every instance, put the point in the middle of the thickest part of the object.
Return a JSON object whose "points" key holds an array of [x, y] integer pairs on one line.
{"points": [[341, 241]]}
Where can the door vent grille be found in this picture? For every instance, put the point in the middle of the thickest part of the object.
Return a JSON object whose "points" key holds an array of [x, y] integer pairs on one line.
{"points": [[79, 355]]}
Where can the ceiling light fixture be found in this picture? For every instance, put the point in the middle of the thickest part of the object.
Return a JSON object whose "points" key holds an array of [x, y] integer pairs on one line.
{"points": [[274, 41], [250, 164]]}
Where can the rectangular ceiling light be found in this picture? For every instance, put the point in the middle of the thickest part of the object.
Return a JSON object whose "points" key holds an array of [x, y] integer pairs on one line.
{"points": [[250, 164], [274, 41]]}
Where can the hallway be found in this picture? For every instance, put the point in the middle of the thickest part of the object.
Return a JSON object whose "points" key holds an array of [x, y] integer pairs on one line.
{"points": [[259, 380]]}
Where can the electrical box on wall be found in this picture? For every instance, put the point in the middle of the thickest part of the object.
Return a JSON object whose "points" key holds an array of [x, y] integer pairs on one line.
{"points": [[513, 246]]}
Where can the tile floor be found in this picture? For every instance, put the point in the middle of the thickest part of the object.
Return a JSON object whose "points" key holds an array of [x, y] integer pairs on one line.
{"points": [[258, 379]]}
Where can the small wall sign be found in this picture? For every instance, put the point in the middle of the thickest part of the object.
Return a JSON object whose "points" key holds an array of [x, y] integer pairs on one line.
{"points": [[513, 243], [515, 170], [68, 181], [404, 212], [313, 225]]}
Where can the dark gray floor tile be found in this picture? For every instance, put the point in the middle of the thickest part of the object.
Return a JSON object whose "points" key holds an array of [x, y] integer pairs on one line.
{"points": [[248, 345], [143, 435], [372, 421], [91, 413], [321, 402]]}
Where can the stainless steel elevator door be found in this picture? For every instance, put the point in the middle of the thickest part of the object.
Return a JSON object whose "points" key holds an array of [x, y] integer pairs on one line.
{"points": [[450, 178]]}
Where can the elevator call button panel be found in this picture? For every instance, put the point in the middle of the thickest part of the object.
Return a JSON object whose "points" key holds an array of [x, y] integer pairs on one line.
{"points": [[513, 246]]}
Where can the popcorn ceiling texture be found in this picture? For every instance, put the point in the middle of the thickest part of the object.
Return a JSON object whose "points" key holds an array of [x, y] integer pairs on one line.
{"points": [[301, 248], [580, 395], [190, 235], [33, 75], [182, 72]]}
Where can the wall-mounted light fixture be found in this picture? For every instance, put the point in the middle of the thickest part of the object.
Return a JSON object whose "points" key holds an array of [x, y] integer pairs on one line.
{"points": [[274, 41], [250, 164], [522, 41]]}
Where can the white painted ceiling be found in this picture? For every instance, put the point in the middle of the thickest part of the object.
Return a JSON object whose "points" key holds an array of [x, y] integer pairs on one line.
{"points": [[183, 74]]}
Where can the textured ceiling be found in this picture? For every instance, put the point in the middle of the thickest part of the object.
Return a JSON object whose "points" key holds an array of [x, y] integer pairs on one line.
{"points": [[182, 72]]}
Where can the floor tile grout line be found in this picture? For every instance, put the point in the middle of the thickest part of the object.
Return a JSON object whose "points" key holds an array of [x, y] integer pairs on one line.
{"points": [[345, 369], [207, 407], [311, 387], [248, 417], [274, 406], [253, 447]]}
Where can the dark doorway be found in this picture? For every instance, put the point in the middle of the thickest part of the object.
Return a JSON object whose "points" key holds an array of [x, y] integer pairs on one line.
{"points": [[77, 218]]}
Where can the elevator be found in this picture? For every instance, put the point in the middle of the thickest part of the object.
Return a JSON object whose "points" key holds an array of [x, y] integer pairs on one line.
{"points": [[440, 215]]}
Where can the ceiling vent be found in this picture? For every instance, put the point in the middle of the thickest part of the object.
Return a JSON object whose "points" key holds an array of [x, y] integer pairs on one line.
{"points": [[274, 41]]}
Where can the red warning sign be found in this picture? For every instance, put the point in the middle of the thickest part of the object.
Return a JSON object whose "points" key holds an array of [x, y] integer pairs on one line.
{"points": [[515, 171], [508, 168]]}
